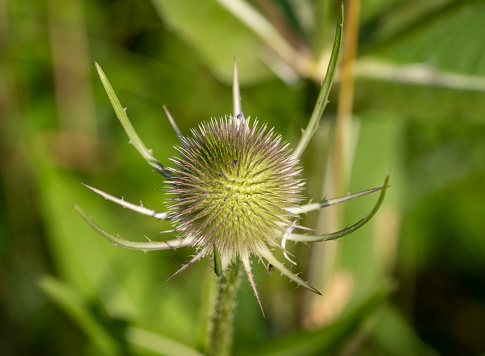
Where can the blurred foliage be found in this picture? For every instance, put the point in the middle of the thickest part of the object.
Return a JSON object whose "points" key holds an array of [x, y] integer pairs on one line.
{"points": [[410, 284]]}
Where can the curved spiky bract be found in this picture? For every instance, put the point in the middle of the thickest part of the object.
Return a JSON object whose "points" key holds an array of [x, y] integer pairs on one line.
{"points": [[233, 186], [249, 273], [128, 127], [133, 245], [352, 228], [138, 208], [322, 100], [268, 256]]}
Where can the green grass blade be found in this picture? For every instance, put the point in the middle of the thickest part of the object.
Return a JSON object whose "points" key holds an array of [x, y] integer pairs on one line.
{"points": [[157, 343], [73, 304]]}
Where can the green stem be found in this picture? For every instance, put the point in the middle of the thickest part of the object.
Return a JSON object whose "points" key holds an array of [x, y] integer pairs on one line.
{"points": [[222, 326]]}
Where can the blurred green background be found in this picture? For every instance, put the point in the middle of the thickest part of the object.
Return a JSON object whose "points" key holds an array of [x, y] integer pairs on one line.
{"points": [[411, 282]]}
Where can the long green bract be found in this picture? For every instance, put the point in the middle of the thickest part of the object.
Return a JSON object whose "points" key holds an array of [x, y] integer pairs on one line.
{"points": [[324, 90], [128, 127], [133, 245], [348, 230]]}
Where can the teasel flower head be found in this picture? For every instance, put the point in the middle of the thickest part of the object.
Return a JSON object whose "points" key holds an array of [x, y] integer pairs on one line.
{"points": [[234, 189]]}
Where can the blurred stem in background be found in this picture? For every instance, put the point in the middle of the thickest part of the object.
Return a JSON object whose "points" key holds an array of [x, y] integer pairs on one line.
{"points": [[76, 142], [342, 154], [71, 65], [323, 266]]}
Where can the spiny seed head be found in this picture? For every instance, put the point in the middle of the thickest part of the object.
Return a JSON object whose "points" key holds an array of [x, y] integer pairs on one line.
{"points": [[232, 186]]}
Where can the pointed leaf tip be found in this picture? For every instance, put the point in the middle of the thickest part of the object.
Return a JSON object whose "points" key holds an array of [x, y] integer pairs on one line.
{"points": [[236, 92], [249, 273]]}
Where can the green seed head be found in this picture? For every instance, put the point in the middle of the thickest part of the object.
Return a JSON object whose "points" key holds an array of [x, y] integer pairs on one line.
{"points": [[232, 186]]}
